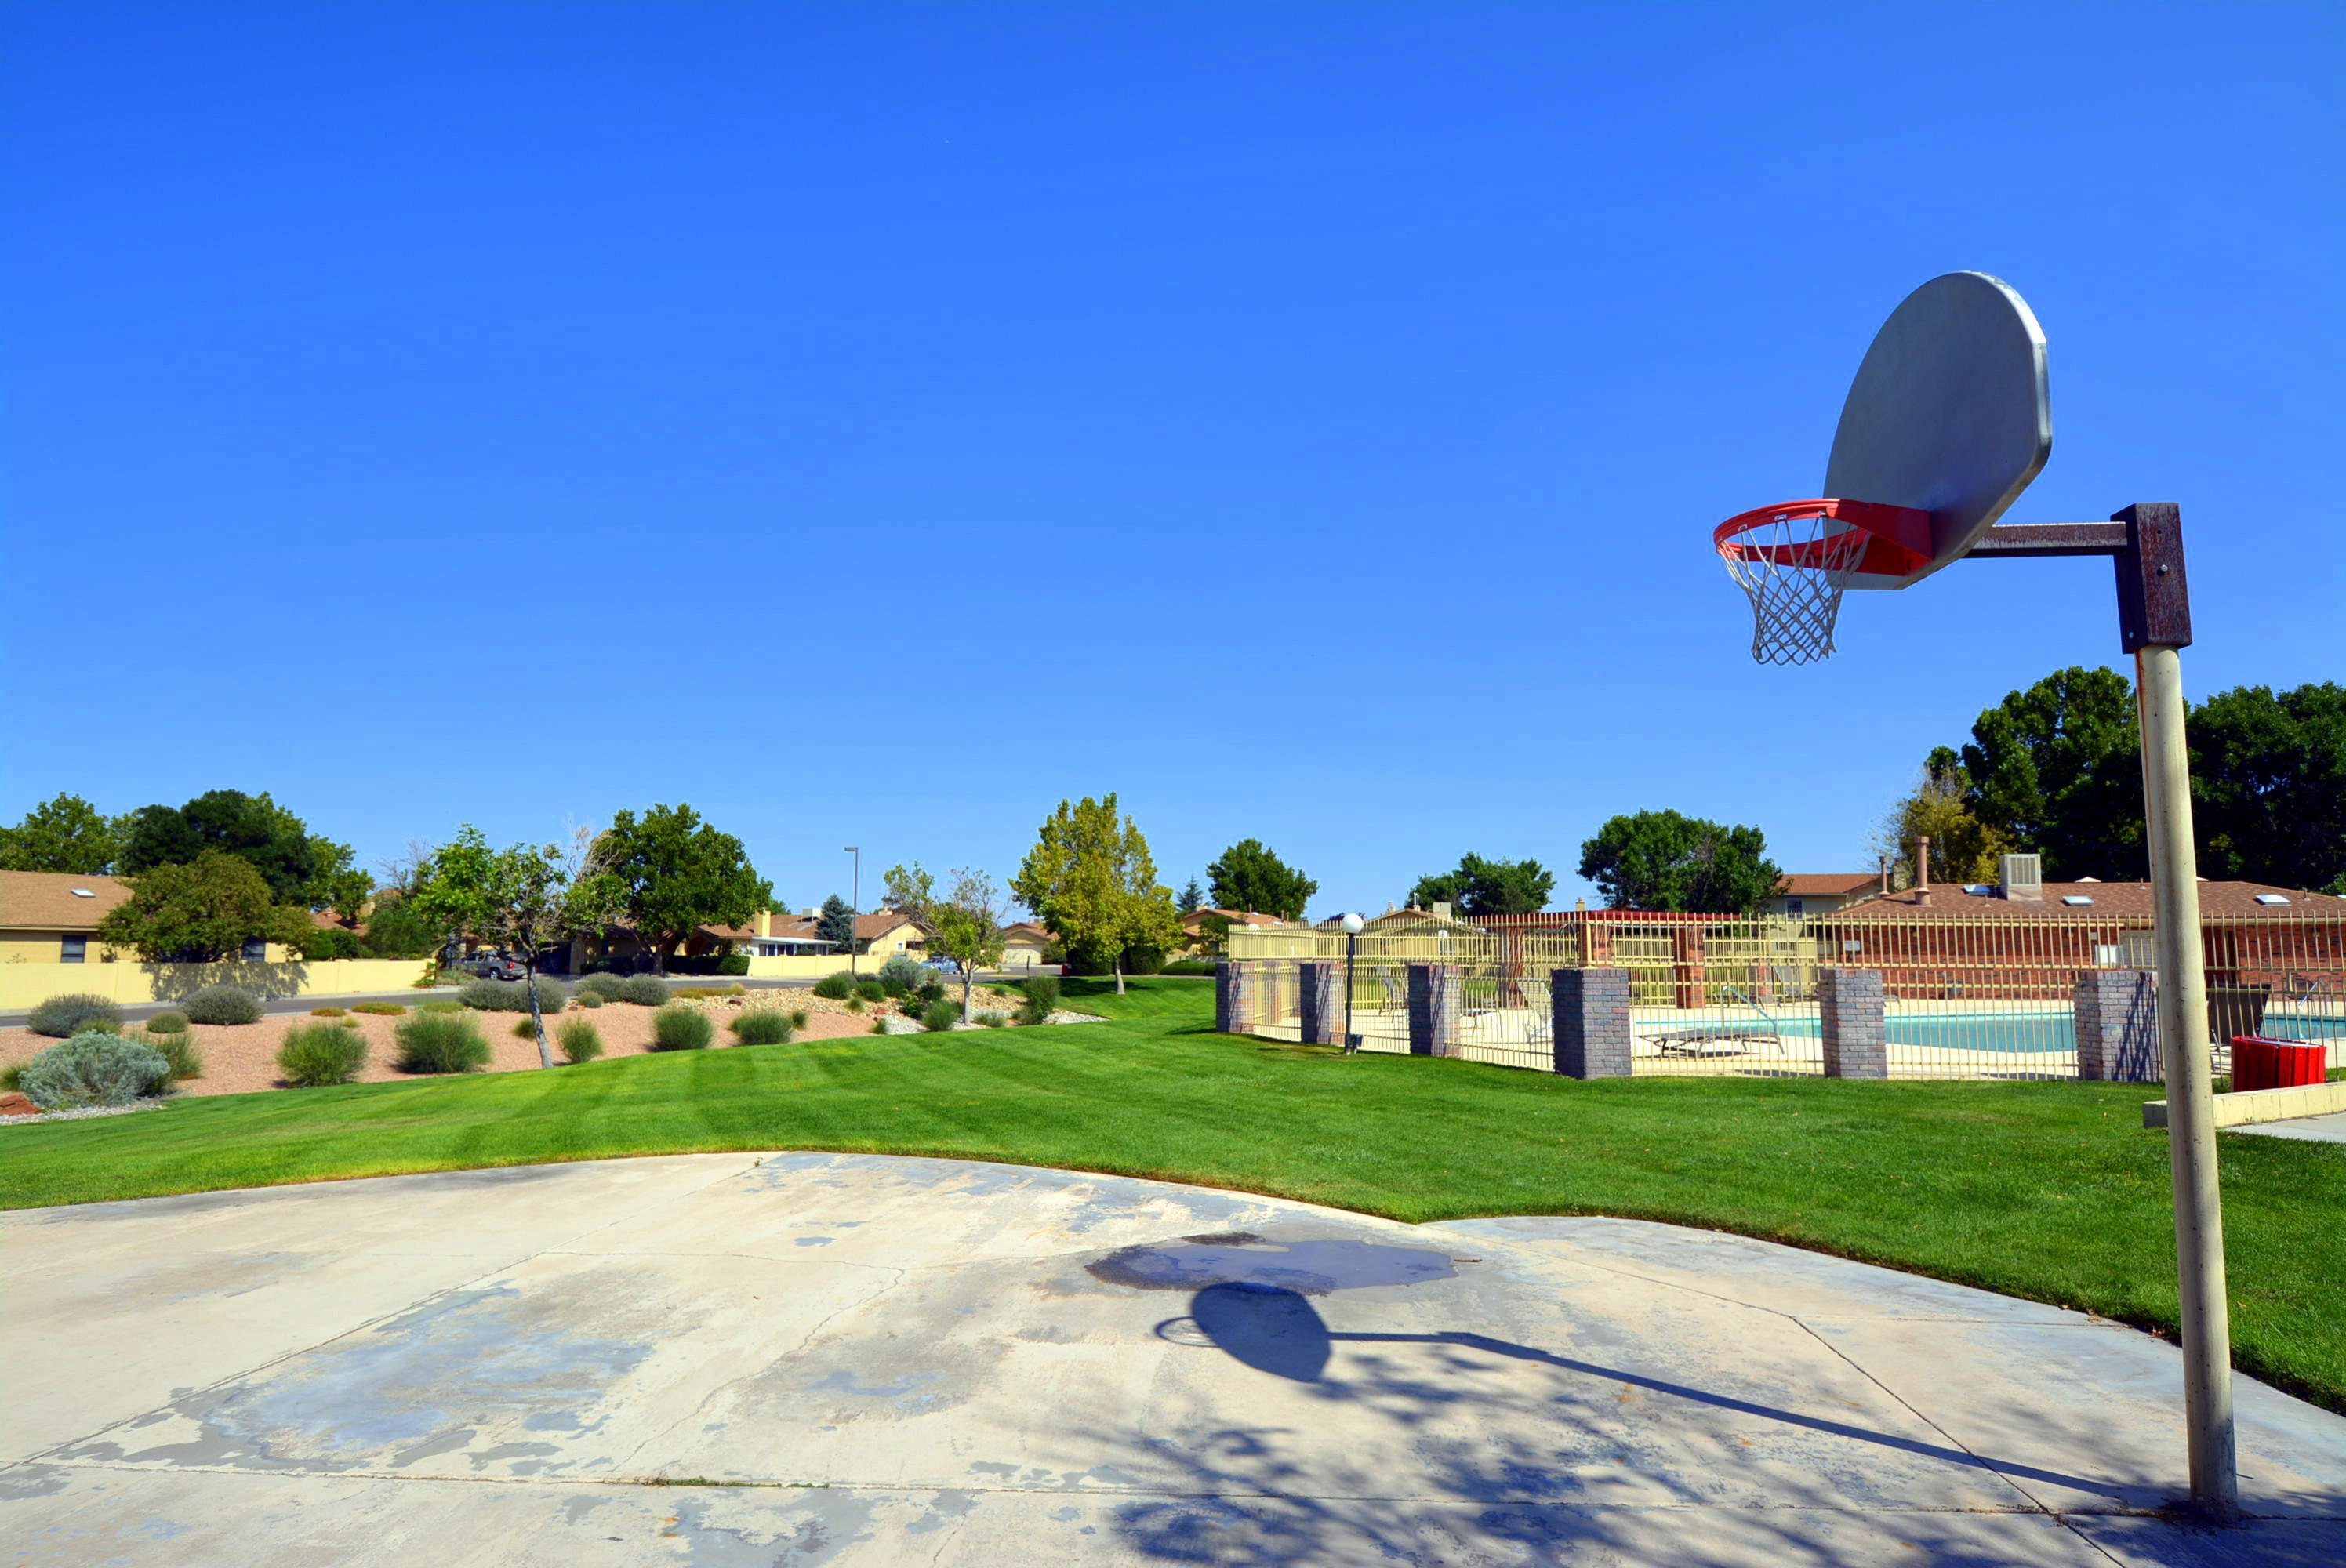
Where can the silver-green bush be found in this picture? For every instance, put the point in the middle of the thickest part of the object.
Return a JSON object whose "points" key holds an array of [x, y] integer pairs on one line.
{"points": [[60, 1017], [223, 1004], [510, 995], [643, 990], [93, 1068]]}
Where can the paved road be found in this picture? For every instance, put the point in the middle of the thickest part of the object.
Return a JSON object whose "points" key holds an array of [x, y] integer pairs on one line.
{"points": [[865, 1360]]}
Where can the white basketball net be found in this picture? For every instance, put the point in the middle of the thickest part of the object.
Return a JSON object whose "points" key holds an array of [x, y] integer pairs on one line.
{"points": [[1793, 566]]}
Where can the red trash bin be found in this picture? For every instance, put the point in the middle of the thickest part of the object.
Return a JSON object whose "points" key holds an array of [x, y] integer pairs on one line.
{"points": [[2261, 1063]]}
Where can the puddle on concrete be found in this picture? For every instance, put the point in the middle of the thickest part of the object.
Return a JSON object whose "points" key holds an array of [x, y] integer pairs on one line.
{"points": [[1308, 1265]]}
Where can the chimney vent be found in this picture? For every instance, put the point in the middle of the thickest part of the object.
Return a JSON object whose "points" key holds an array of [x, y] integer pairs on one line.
{"points": [[2024, 878]]}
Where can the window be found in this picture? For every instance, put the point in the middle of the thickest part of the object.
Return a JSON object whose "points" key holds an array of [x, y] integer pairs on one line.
{"points": [[73, 950], [1795, 906], [255, 950]]}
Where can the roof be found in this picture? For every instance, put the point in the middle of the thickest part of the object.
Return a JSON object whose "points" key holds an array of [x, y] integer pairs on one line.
{"points": [[1196, 918], [1826, 884], [1405, 919], [802, 928], [1028, 930], [2121, 900], [45, 901]]}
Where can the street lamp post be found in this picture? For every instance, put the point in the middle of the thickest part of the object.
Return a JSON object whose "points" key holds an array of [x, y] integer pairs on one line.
{"points": [[855, 905], [1352, 924]]}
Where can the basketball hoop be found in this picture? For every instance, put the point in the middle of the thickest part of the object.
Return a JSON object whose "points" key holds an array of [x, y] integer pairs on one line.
{"points": [[1794, 560]]}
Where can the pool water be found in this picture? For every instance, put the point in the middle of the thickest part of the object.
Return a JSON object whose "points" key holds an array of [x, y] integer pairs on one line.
{"points": [[2007, 1031]]}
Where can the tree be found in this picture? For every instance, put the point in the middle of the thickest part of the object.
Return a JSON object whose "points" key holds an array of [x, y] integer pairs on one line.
{"points": [[1480, 887], [1663, 860], [836, 923], [1192, 899], [1090, 878], [2058, 770], [200, 913], [1214, 934], [2268, 785], [348, 892], [1249, 877], [908, 890], [522, 898], [678, 874], [66, 833], [253, 828], [1962, 848], [395, 928], [966, 927]]}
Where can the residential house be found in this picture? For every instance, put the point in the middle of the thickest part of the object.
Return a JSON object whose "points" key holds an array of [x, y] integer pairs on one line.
{"points": [[1024, 943], [1805, 895], [1193, 925], [51, 917]]}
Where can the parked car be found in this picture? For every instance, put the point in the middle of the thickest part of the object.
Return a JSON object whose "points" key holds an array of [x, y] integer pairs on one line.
{"points": [[491, 966], [941, 965]]}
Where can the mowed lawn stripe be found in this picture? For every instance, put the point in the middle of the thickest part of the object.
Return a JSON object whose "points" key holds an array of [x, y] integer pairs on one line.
{"points": [[2050, 1191]]}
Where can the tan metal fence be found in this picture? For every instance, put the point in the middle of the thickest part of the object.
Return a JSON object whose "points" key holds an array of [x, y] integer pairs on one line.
{"points": [[1963, 998]]}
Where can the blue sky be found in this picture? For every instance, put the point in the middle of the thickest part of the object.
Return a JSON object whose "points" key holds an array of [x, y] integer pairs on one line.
{"points": [[872, 424]]}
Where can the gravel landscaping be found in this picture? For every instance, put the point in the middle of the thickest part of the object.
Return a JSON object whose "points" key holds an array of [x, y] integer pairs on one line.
{"points": [[240, 1058]]}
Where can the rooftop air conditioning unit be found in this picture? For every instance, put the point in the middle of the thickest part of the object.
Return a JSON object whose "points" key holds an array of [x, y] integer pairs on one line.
{"points": [[2024, 878]]}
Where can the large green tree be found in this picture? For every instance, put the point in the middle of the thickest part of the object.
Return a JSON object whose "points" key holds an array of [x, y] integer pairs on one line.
{"points": [[1091, 879], [64, 833], [678, 874], [1664, 861], [296, 863], [1962, 848], [1248, 877], [2268, 785], [524, 898], [200, 912], [2058, 769], [1486, 887], [836, 924]]}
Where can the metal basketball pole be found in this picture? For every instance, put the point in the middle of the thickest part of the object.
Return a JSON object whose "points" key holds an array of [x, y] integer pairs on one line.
{"points": [[2155, 626]]}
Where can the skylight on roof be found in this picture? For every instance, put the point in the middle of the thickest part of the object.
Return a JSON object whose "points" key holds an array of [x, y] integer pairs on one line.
{"points": [[2076, 901], [1978, 889], [2272, 897], [85, 893]]}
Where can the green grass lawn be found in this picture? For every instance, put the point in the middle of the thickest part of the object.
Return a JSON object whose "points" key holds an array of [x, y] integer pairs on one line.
{"points": [[2052, 1191]]}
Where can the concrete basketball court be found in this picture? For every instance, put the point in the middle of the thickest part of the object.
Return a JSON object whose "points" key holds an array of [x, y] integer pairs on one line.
{"points": [[893, 1360]]}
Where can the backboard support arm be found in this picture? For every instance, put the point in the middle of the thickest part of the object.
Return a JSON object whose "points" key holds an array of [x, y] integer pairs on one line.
{"points": [[2145, 543]]}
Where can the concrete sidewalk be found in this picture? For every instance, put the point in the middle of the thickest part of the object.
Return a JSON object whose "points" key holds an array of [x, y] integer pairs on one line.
{"points": [[859, 1359]]}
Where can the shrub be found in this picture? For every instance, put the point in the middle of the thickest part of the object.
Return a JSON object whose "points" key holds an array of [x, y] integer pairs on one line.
{"points": [[223, 1004], [525, 1027], [761, 1028], [737, 990], [1044, 988], [733, 963], [643, 990], [939, 1016], [855, 1004], [930, 990], [61, 1017], [168, 1024], [1188, 966], [1143, 961], [680, 1026], [586, 998], [835, 987], [510, 995], [797, 1017], [871, 991], [578, 1041], [317, 1054], [440, 1007], [12, 1078], [991, 1020], [442, 1042], [383, 1009], [328, 941], [94, 1067], [602, 983], [900, 973], [325, 1012], [175, 1047]]}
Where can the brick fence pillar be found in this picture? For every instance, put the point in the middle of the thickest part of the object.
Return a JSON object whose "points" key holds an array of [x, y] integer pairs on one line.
{"points": [[1592, 1021], [2117, 1026], [1237, 992], [1320, 1001], [1856, 1043], [1435, 1010]]}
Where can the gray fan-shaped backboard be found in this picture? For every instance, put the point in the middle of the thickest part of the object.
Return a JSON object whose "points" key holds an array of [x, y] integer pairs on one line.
{"points": [[1950, 412]]}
